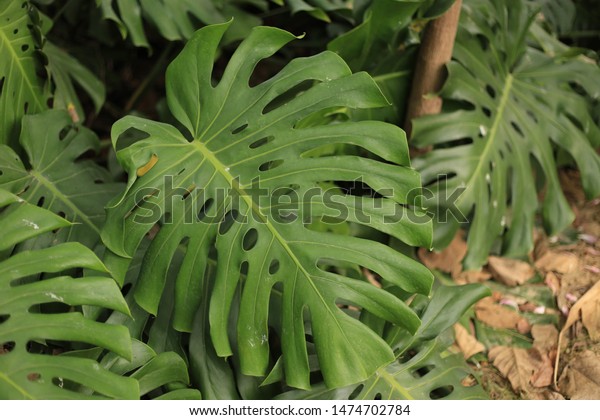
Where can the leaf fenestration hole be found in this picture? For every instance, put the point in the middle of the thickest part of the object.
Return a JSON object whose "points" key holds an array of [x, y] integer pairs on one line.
{"points": [[203, 213], [250, 239], [4, 318], [24, 47], [490, 90], [274, 266], [422, 371], [228, 221], [244, 268], [356, 392], [261, 142], [441, 392], [64, 133], [517, 128], [377, 396], [272, 164], [288, 95], [486, 111], [239, 129], [7, 347], [2, 84]]}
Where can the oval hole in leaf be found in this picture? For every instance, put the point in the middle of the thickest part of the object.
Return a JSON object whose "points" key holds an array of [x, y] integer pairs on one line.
{"points": [[228, 221], [274, 266], [40, 202], [517, 128], [490, 90], [288, 95], [441, 392], [239, 129], [2, 84], [356, 392], [54, 307], [422, 371], [272, 164], [377, 396], [7, 347], [486, 111], [203, 213], [261, 142], [250, 239], [64, 132]]}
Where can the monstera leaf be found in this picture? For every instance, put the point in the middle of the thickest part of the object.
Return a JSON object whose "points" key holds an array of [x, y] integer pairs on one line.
{"points": [[317, 8], [29, 286], [66, 72], [517, 105], [59, 178], [177, 20], [237, 186], [376, 35], [21, 90], [425, 368]]}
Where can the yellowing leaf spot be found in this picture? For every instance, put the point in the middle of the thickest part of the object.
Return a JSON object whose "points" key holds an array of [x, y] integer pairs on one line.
{"points": [[73, 113], [143, 170]]}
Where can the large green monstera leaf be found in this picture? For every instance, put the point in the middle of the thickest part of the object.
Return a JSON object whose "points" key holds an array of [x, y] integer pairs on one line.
{"points": [[240, 185], [30, 288], [517, 104]]}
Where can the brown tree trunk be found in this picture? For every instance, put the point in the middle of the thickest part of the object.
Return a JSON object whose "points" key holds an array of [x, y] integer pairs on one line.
{"points": [[430, 73]]}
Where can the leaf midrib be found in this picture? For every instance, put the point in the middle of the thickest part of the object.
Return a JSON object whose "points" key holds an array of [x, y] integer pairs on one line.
{"points": [[484, 158], [209, 155], [38, 176]]}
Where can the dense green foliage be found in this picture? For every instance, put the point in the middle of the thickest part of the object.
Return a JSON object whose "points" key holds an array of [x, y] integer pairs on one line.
{"points": [[249, 230]]}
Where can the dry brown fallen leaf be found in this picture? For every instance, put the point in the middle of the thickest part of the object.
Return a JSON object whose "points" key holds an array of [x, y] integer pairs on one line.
{"points": [[545, 336], [499, 316], [588, 310], [448, 260], [552, 281], [510, 272], [467, 344], [561, 262], [472, 276], [524, 368], [580, 379]]}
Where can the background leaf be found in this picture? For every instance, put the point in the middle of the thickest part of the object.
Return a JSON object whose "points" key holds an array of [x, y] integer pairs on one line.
{"points": [[61, 178], [21, 90], [516, 105], [30, 321]]}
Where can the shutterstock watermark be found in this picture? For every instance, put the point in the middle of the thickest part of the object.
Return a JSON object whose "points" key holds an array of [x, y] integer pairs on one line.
{"points": [[288, 204]]}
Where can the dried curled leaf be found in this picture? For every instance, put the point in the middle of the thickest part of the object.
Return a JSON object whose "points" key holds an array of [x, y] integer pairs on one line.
{"points": [[524, 368], [510, 272], [467, 344]]}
